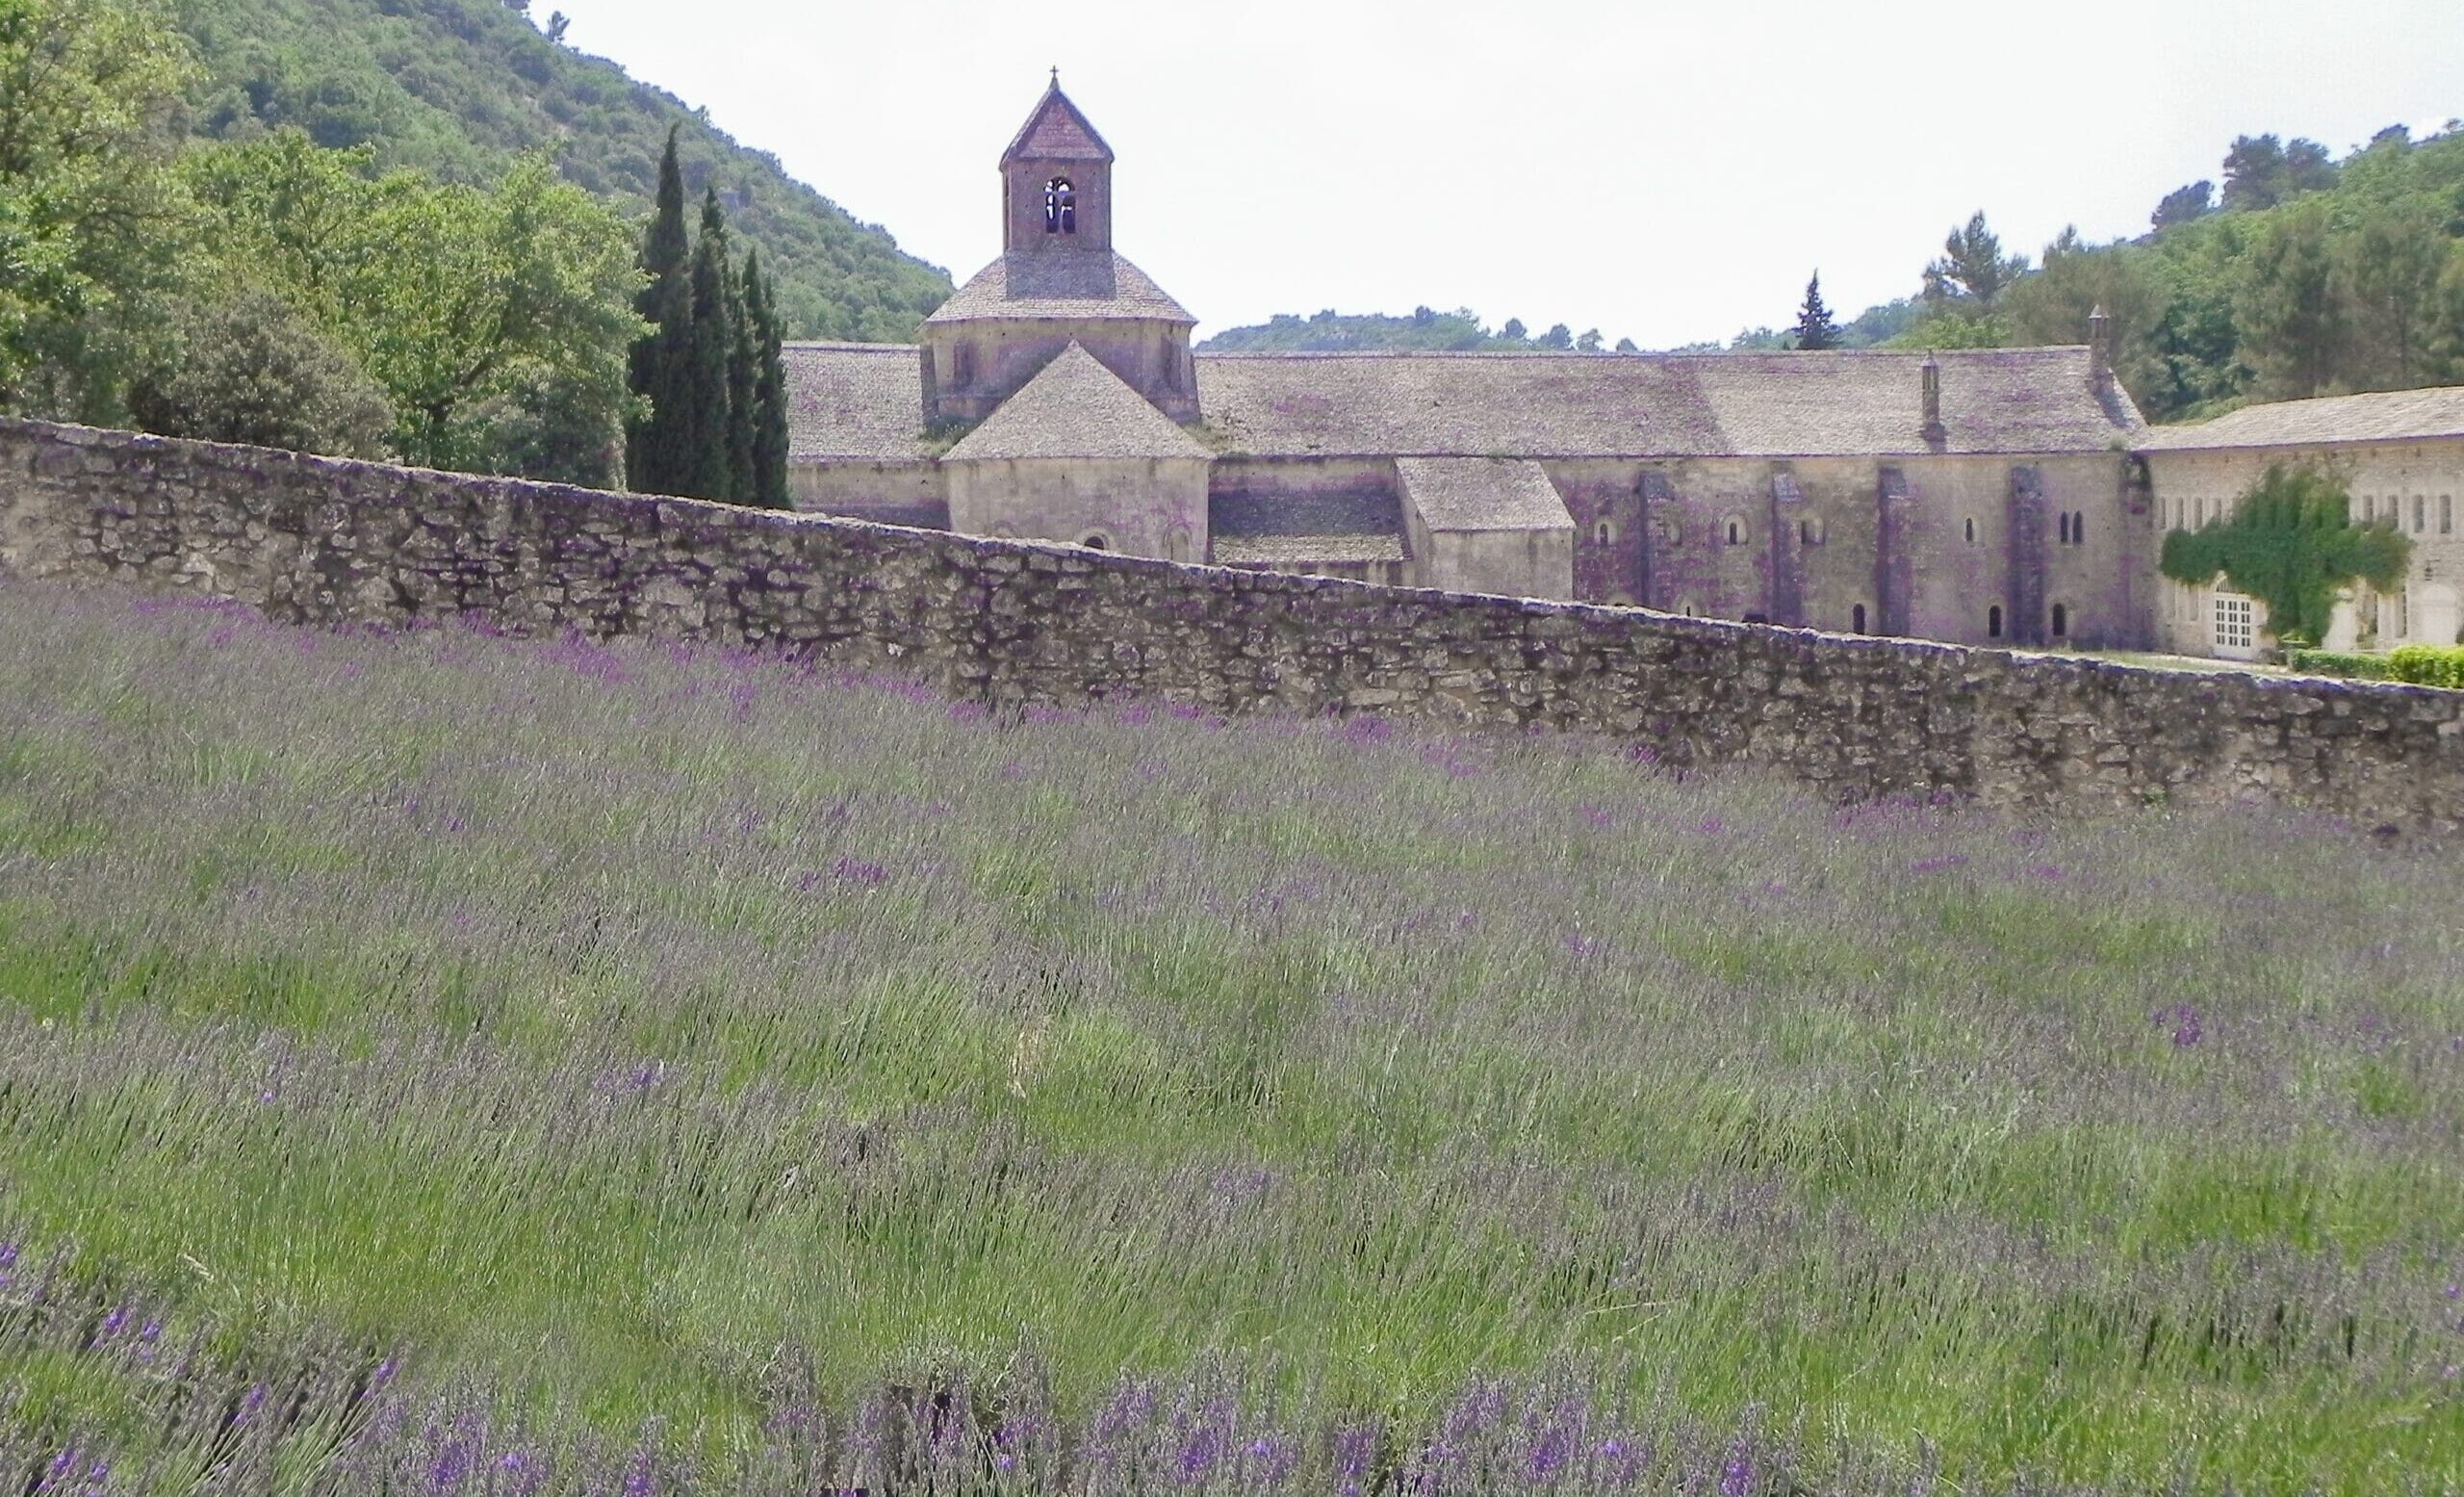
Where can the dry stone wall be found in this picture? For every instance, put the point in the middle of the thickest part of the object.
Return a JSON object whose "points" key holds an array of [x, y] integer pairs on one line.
{"points": [[317, 540]]}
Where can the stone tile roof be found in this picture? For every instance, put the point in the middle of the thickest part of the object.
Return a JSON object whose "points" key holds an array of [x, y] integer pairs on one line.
{"points": [[865, 401], [861, 401], [1075, 407], [1061, 284], [1277, 514], [1056, 130], [2384, 416], [1482, 494], [1304, 549], [1677, 405]]}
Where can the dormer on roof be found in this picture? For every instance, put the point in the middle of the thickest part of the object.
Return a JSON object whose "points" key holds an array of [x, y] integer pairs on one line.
{"points": [[1056, 181]]}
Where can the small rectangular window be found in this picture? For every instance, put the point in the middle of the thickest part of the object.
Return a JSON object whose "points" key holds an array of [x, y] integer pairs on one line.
{"points": [[2447, 514], [2421, 514]]}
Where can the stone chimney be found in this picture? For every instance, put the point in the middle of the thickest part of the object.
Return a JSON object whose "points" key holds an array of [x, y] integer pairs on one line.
{"points": [[2100, 349], [1931, 372]]}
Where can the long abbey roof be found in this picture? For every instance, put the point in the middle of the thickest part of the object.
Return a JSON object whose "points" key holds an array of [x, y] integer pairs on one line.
{"points": [[865, 401]]}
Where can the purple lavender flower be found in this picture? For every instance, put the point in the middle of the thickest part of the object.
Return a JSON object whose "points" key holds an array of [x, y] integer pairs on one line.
{"points": [[1198, 1453], [2185, 1021], [856, 870], [1736, 1478], [1937, 863]]}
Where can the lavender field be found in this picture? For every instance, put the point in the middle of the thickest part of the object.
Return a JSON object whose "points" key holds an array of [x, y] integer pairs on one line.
{"points": [[438, 1062]]}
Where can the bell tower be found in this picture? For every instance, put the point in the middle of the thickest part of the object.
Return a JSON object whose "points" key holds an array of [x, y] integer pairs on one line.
{"points": [[1058, 283], [1056, 182]]}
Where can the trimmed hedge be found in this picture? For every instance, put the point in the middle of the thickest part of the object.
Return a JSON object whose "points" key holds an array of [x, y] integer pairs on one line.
{"points": [[2336, 662], [2427, 665], [2420, 665]]}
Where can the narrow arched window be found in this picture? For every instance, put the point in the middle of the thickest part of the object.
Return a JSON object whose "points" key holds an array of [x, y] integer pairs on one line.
{"points": [[2060, 622], [1603, 532], [1736, 533], [2078, 528], [2066, 527], [1060, 207], [1857, 619], [1968, 528], [1809, 530], [1993, 621]]}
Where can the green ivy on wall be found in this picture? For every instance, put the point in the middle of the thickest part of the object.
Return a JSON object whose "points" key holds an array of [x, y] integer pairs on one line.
{"points": [[2291, 544]]}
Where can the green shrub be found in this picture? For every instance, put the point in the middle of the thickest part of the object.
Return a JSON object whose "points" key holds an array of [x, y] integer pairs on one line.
{"points": [[2337, 662], [2427, 665]]}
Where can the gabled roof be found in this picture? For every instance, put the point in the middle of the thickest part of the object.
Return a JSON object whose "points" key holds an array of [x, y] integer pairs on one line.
{"points": [[2037, 400], [1482, 494], [2384, 416], [854, 400], [865, 401], [1077, 284], [1056, 130], [1075, 407]]}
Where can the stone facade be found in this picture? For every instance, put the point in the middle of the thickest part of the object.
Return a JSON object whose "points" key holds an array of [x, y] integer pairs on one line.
{"points": [[1869, 492], [320, 540], [2400, 454]]}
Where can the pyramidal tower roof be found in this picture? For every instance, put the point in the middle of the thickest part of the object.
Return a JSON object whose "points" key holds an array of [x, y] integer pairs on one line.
{"points": [[1075, 407], [1056, 130]]}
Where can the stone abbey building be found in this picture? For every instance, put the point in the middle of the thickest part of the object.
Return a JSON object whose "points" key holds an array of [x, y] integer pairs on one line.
{"points": [[1979, 497]]}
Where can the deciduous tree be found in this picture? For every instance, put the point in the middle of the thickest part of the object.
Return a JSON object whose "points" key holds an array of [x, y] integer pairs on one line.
{"points": [[89, 211], [247, 368]]}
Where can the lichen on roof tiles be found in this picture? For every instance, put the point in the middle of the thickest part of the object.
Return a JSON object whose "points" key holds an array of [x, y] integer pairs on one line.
{"points": [[1676, 405], [1025, 284], [1306, 549], [1482, 494], [1075, 407], [2379, 416], [1056, 129], [861, 401]]}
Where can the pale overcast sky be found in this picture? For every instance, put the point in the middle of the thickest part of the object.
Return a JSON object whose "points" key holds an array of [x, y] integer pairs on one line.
{"points": [[1667, 172]]}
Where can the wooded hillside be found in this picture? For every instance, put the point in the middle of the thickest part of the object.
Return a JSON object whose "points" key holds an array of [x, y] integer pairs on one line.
{"points": [[458, 88]]}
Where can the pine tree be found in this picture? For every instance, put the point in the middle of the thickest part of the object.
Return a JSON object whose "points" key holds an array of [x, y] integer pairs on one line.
{"points": [[653, 441], [2291, 317], [1815, 330], [704, 398], [770, 393]]}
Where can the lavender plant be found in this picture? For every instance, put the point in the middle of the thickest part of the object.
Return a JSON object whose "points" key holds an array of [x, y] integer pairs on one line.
{"points": [[545, 1066]]}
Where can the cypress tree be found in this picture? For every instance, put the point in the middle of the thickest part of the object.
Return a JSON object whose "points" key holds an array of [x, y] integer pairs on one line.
{"points": [[1815, 330], [744, 414], [652, 440], [704, 400], [770, 393]]}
